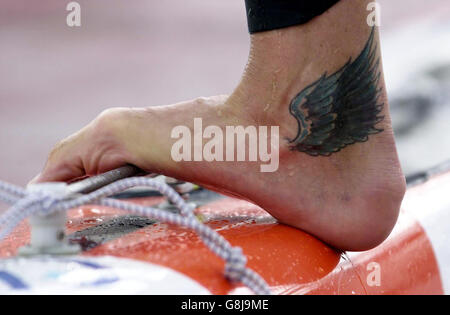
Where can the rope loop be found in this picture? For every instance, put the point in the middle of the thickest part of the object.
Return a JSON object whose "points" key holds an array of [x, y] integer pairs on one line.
{"points": [[27, 203]]}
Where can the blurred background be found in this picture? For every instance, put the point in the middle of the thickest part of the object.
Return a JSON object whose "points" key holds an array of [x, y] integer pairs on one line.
{"points": [[55, 79]]}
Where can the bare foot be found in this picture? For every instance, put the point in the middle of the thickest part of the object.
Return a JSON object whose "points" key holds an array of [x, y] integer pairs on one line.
{"points": [[339, 177]]}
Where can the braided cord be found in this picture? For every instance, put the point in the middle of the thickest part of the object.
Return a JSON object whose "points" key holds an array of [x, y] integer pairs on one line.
{"points": [[26, 204]]}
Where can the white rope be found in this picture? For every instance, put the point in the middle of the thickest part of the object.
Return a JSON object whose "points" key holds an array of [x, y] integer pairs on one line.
{"points": [[26, 204]]}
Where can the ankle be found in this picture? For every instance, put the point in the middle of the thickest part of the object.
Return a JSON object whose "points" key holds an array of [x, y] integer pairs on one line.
{"points": [[283, 62]]}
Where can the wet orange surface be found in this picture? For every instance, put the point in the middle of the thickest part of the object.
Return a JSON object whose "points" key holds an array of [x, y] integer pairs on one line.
{"points": [[291, 261], [284, 255], [281, 253]]}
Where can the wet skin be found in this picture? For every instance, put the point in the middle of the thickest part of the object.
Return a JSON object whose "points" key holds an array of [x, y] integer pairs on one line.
{"points": [[349, 196]]}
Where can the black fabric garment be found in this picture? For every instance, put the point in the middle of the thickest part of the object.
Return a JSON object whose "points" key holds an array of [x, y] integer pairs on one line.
{"points": [[266, 15]]}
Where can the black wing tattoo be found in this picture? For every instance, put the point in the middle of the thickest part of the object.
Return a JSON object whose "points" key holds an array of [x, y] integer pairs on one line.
{"points": [[341, 109]]}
